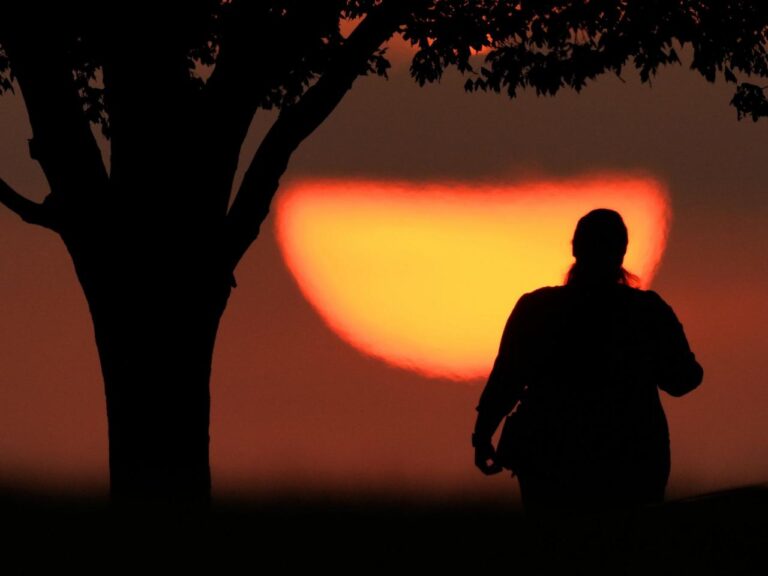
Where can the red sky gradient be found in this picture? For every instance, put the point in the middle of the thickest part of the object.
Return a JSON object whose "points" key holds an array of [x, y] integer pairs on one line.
{"points": [[296, 406]]}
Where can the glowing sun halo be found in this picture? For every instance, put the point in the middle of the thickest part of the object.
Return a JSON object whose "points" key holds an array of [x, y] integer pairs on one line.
{"points": [[424, 276]]}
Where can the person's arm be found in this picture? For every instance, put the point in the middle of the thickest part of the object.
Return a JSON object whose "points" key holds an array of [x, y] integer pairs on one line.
{"points": [[503, 389], [677, 370]]}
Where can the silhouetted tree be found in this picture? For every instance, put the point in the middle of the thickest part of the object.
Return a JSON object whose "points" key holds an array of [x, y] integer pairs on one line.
{"points": [[156, 235]]}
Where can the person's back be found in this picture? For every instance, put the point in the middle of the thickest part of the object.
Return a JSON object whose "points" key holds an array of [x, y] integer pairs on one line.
{"points": [[595, 360], [586, 361]]}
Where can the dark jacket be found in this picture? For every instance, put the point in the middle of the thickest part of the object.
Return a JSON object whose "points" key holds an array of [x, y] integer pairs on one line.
{"points": [[585, 364]]}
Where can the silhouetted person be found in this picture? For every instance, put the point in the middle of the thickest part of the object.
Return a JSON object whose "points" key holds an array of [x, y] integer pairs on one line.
{"points": [[583, 363]]}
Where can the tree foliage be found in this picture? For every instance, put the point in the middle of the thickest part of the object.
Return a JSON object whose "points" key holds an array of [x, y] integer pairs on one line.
{"points": [[286, 45]]}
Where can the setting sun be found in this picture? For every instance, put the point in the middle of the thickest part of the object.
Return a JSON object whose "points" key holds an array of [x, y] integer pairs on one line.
{"points": [[424, 275]]}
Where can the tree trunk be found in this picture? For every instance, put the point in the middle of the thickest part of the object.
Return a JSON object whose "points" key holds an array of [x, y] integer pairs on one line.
{"points": [[156, 311]]}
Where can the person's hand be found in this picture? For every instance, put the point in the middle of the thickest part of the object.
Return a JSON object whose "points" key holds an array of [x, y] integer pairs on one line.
{"points": [[485, 459]]}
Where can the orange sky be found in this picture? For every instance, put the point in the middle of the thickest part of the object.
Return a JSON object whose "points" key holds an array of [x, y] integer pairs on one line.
{"points": [[294, 405]]}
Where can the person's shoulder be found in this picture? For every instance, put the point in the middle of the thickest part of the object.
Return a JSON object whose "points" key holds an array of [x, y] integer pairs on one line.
{"points": [[545, 292], [649, 296], [543, 295], [650, 300]]}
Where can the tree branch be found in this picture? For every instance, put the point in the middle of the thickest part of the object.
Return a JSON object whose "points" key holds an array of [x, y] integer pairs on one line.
{"points": [[231, 100], [298, 121], [261, 57], [29, 211], [62, 140]]}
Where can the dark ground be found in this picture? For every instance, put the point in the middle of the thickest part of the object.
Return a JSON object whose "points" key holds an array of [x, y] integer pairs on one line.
{"points": [[721, 533]]}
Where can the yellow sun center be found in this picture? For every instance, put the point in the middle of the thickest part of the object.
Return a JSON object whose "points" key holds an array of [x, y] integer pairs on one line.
{"points": [[424, 276]]}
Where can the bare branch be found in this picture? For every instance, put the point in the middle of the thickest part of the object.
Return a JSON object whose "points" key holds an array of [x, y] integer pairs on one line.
{"points": [[230, 91], [230, 102], [29, 211], [298, 121], [62, 140], [263, 57]]}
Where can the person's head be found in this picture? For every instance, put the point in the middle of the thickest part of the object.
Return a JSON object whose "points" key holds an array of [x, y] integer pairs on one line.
{"points": [[599, 245]]}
